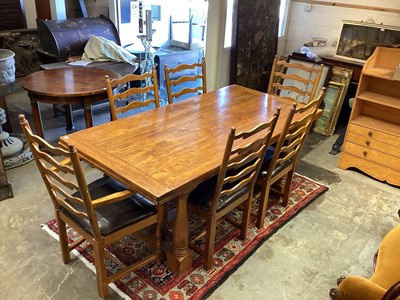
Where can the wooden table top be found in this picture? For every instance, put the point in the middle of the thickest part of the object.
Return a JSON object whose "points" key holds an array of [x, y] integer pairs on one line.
{"points": [[68, 82], [167, 151]]}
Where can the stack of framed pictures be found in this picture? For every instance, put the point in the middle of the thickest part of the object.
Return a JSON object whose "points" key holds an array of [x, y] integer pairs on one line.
{"points": [[333, 100]]}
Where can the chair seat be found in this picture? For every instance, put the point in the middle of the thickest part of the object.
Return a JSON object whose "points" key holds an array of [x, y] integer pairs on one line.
{"points": [[266, 161], [115, 216], [202, 195]]}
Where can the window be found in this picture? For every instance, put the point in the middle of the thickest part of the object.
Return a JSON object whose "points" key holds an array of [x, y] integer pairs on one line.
{"points": [[283, 12], [228, 24]]}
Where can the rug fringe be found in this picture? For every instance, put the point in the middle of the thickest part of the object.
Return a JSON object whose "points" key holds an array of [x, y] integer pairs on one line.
{"points": [[310, 179]]}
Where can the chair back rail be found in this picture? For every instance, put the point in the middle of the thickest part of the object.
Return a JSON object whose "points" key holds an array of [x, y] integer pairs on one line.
{"points": [[286, 152], [122, 97], [177, 83], [303, 83], [61, 187], [233, 186], [124, 213], [242, 159]]}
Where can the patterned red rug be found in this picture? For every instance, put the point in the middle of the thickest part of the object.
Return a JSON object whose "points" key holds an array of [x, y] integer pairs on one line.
{"points": [[156, 282]]}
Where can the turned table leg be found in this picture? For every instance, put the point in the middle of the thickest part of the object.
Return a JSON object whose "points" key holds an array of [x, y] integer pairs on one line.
{"points": [[179, 260], [68, 117], [88, 115], [37, 118]]}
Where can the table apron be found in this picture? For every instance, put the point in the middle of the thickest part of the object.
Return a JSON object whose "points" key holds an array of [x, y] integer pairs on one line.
{"points": [[83, 100]]}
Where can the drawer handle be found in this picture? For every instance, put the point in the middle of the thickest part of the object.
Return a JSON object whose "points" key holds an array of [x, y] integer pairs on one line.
{"points": [[369, 133], [365, 153], [368, 142]]}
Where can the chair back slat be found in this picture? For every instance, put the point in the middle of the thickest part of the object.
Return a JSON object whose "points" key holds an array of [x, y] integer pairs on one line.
{"points": [[296, 77], [294, 81], [290, 88], [64, 179], [54, 165], [123, 97], [242, 160], [176, 86], [295, 130]]}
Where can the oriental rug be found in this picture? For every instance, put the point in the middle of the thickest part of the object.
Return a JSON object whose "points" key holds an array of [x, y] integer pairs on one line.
{"points": [[157, 282]]}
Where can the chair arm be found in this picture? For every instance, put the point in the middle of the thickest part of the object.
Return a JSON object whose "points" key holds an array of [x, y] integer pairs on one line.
{"points": [[393, 292], [65, 162], [115, 197], [356, 287]]}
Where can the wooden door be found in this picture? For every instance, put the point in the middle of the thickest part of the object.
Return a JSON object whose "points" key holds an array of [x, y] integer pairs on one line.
{"points": [[43, 11], [254, 42]]}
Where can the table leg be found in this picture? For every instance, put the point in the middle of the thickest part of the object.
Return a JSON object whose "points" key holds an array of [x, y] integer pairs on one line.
{"points": [[179, 260], [88, 115], [68, 117], [37, 118]]}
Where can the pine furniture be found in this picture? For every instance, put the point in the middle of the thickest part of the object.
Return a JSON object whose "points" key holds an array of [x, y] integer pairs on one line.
{"points": [[372, 141], [164, 153], [67, 86], [232, 187], [280, 161], [177, 78], [294, 80], [102, 212], [131, 92]]}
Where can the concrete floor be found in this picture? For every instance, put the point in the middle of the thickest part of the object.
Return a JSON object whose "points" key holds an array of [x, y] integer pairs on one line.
{"points": [[337, 234]]}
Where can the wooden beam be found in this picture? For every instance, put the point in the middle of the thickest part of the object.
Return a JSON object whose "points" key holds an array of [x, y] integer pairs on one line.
{"points": [[346, 5]]}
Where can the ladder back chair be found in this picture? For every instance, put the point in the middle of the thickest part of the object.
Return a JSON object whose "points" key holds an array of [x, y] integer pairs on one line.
{"points": [[294, 81], [280, 161], [102, 212], [124, 98], [193, 80], [232, 187]]}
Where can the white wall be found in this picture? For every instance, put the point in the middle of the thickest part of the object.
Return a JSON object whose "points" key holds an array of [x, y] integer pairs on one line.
{"points": [[326, 21], [30, 13], [95, 8]]}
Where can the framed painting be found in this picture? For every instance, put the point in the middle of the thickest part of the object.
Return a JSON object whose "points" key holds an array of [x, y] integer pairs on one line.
{"points": [[358, 40], [333, 100]]}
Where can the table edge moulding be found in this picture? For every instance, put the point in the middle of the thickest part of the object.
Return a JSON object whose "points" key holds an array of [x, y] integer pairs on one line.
{"points": [[372, 142]]}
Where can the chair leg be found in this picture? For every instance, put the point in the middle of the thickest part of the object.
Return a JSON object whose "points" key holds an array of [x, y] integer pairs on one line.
{"points": [[62, 232], [210, 240], [161, 210], [262, 206], [101, 270], [245, 218], [288, 184]]}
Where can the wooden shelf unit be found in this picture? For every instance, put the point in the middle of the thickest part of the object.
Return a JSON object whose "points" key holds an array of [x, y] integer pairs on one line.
{"points": [[372, 141]]}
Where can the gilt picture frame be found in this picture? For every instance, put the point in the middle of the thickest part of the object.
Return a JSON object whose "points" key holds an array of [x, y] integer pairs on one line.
{"points": [[333, 101]]}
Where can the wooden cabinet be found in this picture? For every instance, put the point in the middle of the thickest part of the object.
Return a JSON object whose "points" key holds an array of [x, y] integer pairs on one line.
{"points": [[372, 142]]}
